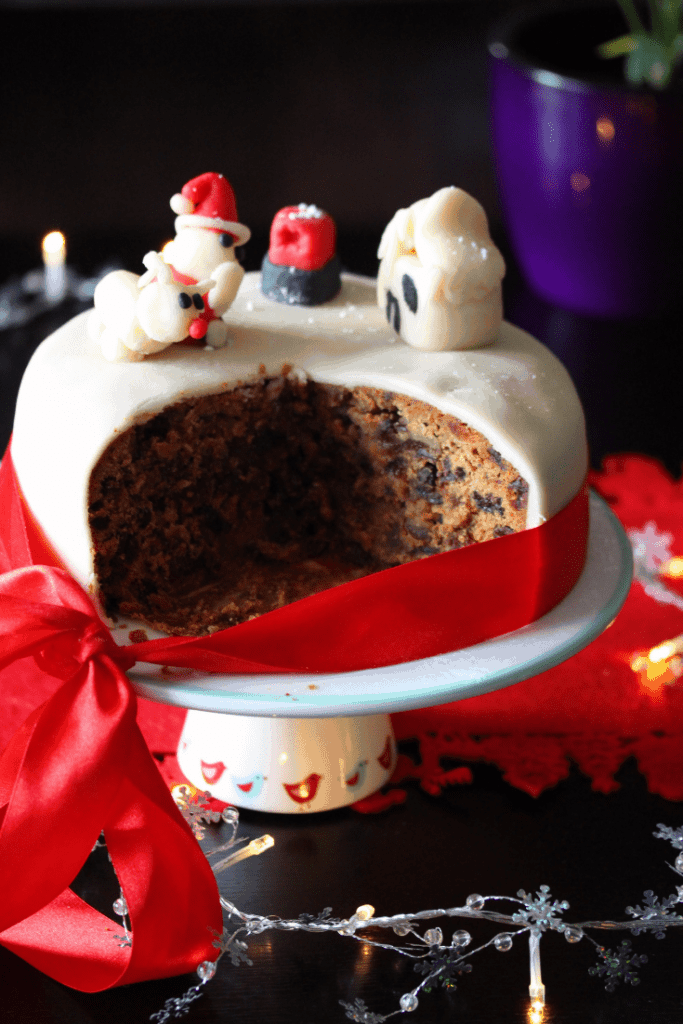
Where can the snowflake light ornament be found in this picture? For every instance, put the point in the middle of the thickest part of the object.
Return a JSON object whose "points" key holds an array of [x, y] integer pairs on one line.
{"points": [[195, 809], [358, 1011], [231, 943], [655, 914], [443, 967], [618, 966], [177, 1006], [674, 835], [539, 913], [651, 549]]}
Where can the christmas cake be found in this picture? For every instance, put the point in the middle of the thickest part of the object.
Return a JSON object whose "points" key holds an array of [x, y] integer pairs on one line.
{"points": [[301, 439]]}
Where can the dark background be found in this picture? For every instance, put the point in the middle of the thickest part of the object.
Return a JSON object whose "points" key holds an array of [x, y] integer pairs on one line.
{"points": [[359, 107]]}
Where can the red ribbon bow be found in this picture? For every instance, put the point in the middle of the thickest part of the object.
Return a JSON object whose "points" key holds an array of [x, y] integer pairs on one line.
{"points": [[79, 764]]}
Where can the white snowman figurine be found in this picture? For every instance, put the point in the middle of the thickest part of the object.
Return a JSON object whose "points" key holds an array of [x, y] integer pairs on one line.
{"points": [[207, 231]]}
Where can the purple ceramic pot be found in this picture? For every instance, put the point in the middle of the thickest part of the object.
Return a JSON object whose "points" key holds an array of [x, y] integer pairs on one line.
{"points": [[590, 170]]}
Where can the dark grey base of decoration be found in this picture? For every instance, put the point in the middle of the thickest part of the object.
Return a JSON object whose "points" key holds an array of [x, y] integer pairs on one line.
{"points": [[300, 287]]}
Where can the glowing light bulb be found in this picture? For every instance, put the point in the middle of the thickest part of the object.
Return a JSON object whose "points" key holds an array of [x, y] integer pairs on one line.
{"points": [[666, 650], [252, 849], [673, 568], [257, 846], [536, 1012], [365, 912], [605, 129], [661, 665]]}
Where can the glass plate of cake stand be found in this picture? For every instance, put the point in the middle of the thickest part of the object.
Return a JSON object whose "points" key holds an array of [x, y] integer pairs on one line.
{"points": [[306, 743]]}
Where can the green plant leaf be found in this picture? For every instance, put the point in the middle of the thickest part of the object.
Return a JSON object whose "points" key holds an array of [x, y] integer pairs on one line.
{"points": [[617, 47], [652, 55], [650, 61], [631, 14]]}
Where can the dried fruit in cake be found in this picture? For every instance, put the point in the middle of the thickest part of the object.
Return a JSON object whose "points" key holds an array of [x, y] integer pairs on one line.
{"points": [[226, 506]]}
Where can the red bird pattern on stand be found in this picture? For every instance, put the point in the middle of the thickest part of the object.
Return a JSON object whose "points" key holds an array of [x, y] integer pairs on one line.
{"points": [[211, 773], [385, 757], [303, 792]]}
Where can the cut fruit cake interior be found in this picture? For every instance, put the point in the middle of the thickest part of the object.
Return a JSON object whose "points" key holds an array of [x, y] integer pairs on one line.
{"points": [[202, 486], [225, 506]]}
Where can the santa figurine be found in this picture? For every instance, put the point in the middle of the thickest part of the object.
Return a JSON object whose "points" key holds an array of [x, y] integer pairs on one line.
{"points": [[207, 231]]}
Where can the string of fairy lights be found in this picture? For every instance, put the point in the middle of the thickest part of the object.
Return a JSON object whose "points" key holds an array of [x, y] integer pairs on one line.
{"points": [[525, 917]]}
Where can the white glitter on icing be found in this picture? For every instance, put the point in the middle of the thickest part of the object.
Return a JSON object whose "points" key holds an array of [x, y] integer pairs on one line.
{"points": [[306, 211]]}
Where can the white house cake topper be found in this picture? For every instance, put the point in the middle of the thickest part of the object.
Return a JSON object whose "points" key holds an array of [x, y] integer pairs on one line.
{"points": [[439, 279]]}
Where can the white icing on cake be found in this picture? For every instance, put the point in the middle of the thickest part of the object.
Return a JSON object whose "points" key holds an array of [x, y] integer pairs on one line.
{"points": [[72, 401]]}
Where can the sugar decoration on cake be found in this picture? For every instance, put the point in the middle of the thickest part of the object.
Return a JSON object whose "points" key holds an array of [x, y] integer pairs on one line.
{"points": [[439, 279], [207, 232], [184, 294], [135, 316], [301, 267]]}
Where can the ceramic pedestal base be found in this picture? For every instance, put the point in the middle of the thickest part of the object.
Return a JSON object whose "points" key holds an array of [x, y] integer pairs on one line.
{"points": [[289, 765]]}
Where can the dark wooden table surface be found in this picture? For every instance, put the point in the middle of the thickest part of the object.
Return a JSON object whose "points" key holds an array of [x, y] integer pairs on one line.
{"points": [[596, 851]]}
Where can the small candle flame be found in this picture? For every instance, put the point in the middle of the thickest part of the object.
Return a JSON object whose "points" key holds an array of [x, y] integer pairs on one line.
{"points": [[54, 248], [54, 260]]}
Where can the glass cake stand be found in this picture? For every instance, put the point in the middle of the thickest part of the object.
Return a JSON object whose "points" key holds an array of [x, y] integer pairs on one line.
{"points": [[302, 743]]}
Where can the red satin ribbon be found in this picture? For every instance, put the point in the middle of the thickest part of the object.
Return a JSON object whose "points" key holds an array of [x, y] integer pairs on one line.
{"points": [[79, 764], [424, 608]]}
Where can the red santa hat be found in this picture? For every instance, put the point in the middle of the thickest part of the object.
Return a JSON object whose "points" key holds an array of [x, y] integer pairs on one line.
{"points": [[208, 201]]}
